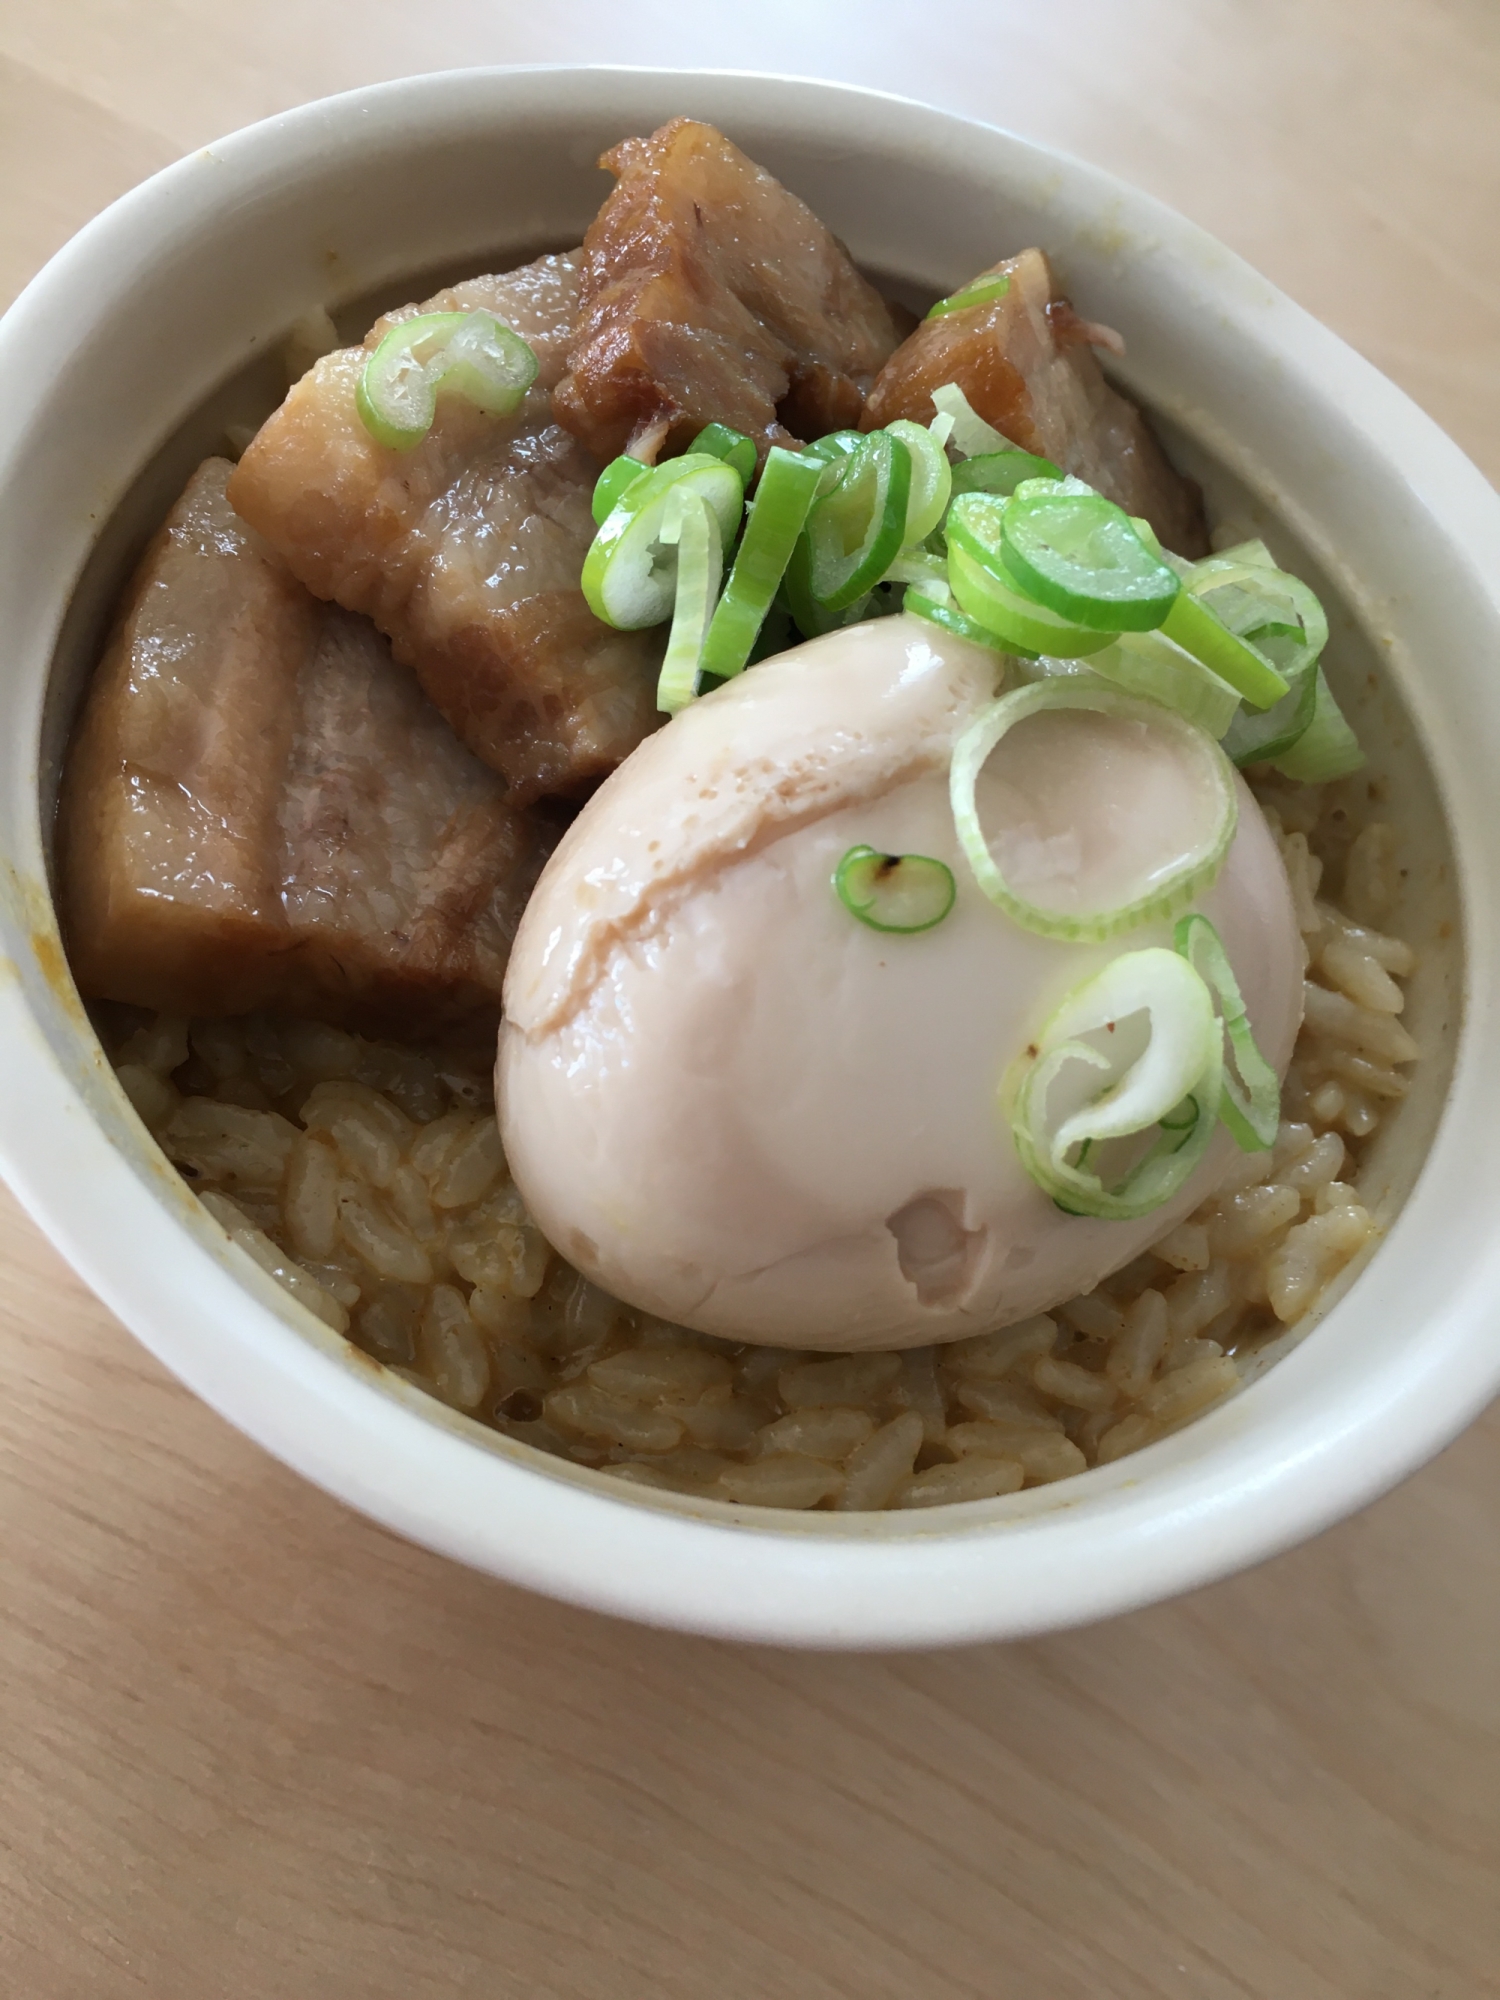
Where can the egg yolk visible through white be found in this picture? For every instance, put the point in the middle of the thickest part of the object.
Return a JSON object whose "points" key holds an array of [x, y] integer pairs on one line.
{"points": [[733, 1105]]}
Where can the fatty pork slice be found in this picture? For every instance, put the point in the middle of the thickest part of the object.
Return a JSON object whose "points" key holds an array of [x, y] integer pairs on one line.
{"points": [[1026, 363], [711, 294], [261, 810], [467, 550]]}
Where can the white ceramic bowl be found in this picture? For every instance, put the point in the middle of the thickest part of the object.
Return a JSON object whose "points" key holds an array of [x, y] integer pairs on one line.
{"points": [[154, 327]]}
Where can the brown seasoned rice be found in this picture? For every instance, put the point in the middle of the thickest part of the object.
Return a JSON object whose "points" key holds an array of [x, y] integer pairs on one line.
{"points": [[368, 1180]]}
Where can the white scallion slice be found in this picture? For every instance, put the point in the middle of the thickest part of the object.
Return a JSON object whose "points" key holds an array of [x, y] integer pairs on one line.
{"points": [[1327, 748], [690, 525], [970, 434], [470, 354], [1251, 1101], [917, 566], [1066, 1126], [1172, 884], [1047, 668], [1254, 552]]}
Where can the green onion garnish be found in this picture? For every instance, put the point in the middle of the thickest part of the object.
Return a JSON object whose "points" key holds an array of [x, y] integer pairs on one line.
{"points": [[611, 483], [469, 354], [1149, 665], [894, 892], [1000, 472], [1279, 619], [834, 446], [933, 600], [968, 433], [1000, 549], [917, 565], [931, 479], [983, 292], [787, 489], [854, 530], [1327, 748], [1055, 564], [691, 525], [1019, 622], [1273, 611], [1077, 554], [1258, 736], [719, 441], [630, 572], [1172, 1086], [1250, 1104], [1195, 628], [1168, 888]]}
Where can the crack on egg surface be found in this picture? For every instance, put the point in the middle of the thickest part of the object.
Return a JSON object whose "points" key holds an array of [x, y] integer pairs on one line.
{"points": [[939, 1257]]}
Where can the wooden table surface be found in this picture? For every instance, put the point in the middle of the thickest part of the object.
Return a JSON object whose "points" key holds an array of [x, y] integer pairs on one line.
{"points": [[253, 1747]]}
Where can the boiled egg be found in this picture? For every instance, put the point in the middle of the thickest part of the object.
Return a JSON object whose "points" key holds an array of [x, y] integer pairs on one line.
{"points": [[735, 1105]]}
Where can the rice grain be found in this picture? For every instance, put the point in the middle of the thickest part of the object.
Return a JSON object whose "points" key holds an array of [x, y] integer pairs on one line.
{"points": [[368, 1181]]}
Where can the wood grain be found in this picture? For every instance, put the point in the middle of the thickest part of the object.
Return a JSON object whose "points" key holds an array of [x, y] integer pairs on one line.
{"points": [[252, 1747]]}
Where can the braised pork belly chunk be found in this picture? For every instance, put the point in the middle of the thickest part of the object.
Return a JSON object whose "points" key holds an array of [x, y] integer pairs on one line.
{"points": [[466, 550], [261, 810], [711, 294], [1026, 363]]}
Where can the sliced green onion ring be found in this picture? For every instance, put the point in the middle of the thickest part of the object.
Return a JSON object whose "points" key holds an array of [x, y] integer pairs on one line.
{"points": [[630, 572], [917, 565], [1000, 472], [1021, 625], [1271, 609], [1170, 888], [1250, 1104], [970, 434], [983, 292], [931, 479], [1195, 628], [1327, 748], [834, 447], [690, 525], [470, 354], [1255, 553], [719, 441], [1078, 554], [787, 489], [934, 601], [612, 481], [1173, 1087], [894, 892], [854, 531], [1148, 664], [1199, 631], [1259, 736], [1047, 667]]}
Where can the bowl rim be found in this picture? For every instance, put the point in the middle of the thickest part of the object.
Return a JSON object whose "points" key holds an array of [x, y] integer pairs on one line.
{"points": [[1252, 1477]]}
